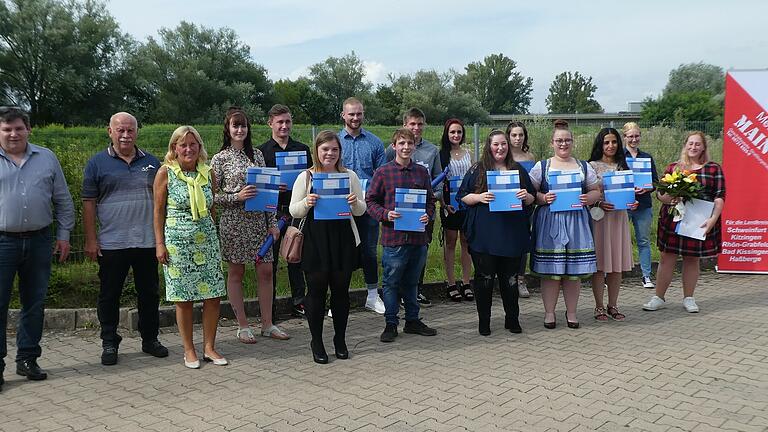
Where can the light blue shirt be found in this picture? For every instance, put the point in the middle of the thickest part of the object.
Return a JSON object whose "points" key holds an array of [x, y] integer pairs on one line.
{"points": [[32, 192], [363, 154]]}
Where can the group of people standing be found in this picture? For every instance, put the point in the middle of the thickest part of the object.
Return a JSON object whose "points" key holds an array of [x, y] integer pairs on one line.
{"points": [[139, 211]]}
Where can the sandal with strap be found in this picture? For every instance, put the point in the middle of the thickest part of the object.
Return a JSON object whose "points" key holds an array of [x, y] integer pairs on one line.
{"points": [[453, 293], [613, 311], [275, 332], [600, 314], [466, 291], [246, 336]]}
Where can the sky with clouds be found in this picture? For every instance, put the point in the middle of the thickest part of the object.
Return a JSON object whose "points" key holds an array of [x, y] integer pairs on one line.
{"points": [[627, 47]]}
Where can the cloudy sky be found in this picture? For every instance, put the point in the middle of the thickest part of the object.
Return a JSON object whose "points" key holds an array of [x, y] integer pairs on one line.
{"points": [[627, 47]]}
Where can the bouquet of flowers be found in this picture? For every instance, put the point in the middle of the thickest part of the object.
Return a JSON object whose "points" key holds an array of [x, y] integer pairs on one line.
{"points": [[680, 184]]}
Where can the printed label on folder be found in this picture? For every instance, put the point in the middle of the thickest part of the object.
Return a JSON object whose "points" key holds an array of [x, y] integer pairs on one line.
{"points": [[504, 185], [267, 182], [411, 204], [333, 189], [290, 164]]}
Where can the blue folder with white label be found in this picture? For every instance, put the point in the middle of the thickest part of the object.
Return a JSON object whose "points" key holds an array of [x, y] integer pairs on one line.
{"points": [[267, 182], [333, 189], [641, 168], [504, 185], [619, 188], [290, 164], [528, 165], [567, 186], [454, 183], [411, 204]]}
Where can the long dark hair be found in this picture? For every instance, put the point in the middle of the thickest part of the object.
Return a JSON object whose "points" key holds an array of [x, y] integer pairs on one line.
{"points": [[487, 163], [445, 143], [514, 124], [238, 117], [597, 148]]}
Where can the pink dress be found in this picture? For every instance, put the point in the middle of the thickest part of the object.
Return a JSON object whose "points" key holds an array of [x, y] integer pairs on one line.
{"points": [[613, 244]]}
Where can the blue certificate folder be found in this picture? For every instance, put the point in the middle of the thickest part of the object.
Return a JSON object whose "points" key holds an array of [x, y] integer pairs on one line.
{"points": [[504, 185], [290, 164], [454, 183], [619, 188], [411, 204], [641, 168], [567, 186], [333, 189], [267, 182]]}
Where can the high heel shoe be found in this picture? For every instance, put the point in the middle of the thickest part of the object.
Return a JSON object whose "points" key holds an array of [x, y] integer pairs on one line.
{"points": [[550, 325], [341, 351], [571, 324], [318, 354]]}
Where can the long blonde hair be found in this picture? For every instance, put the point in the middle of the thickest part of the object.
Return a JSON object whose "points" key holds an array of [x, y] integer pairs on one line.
{"points": [[685, 161], [177, 136]]}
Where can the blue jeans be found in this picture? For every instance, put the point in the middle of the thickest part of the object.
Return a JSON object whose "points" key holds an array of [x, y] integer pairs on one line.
{"points": [[402, 266], [30, 257], [641, 220], [368, 228]]}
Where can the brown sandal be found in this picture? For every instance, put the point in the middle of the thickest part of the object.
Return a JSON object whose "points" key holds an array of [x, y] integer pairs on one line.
{"points": [[613, 311], [600, 314]]}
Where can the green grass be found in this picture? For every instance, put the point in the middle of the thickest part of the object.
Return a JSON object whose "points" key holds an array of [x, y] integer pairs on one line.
{"points": [[76, 282]]}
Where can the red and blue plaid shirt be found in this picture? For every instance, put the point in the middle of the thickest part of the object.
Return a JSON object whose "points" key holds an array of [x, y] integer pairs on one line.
{"points": [[380, 199]]}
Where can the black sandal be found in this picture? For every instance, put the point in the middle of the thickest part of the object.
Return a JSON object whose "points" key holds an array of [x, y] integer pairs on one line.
{"points": [[466, 291], [453, 293]]}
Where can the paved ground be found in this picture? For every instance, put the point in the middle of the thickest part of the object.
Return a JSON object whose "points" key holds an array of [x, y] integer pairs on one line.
{"points": [[665, 370]]}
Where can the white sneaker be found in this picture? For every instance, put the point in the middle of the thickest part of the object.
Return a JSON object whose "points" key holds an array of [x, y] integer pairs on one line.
{"points": [[522, 288], [690, 305], [655, 303], [375, 305], [648, 283], [329, 313]]}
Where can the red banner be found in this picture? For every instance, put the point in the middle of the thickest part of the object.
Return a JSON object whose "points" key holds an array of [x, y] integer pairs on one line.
{"points": [[745, 164]]}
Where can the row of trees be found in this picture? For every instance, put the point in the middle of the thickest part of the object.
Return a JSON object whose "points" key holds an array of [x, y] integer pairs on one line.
{"points": [[68, 62]]}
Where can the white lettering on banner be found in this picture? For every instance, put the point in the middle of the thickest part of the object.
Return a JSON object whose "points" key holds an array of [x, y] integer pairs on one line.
{"points": [[743, 124], [762, 117]]}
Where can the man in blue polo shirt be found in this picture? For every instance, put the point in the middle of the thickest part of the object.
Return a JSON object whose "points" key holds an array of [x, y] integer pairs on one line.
{"points": [[117, 189], [363, 153]]}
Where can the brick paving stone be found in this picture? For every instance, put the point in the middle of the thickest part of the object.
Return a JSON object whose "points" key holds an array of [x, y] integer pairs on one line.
{"points": [[659, 371]]}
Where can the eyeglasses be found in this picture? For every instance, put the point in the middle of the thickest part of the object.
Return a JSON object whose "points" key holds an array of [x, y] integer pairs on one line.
{"points": [[560, 141]]}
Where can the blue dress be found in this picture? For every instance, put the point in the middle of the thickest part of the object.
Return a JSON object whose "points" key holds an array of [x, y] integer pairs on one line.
{"points": [[563, 242]]}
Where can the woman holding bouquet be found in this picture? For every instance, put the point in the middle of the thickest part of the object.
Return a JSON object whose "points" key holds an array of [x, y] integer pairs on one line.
{"points": [[694, 162]]}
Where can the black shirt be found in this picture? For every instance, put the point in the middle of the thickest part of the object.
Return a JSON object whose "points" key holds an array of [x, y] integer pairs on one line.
{"points": [[268, 149]]}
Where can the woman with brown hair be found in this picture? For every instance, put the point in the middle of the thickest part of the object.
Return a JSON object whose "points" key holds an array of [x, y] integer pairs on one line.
{"points": [[330, 250], [243, 232], [694, 157]]}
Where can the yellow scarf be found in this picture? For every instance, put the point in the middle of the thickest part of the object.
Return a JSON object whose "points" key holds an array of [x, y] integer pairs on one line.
{"points": [[194, 187]]}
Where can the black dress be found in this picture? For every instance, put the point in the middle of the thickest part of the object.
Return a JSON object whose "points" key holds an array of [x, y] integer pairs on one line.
{"points": [[329, 246]]}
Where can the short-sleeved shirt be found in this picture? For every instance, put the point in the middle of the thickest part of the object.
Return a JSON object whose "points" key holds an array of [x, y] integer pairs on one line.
{"points": [[123, 195], [363, 154], [269, 149]]}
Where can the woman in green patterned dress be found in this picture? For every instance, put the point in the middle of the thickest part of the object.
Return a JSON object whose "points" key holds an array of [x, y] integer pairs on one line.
{"points": [[187, 244]]}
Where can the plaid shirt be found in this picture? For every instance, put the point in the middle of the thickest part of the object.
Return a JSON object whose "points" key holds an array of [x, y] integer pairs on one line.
{"points": [[380, 199]]}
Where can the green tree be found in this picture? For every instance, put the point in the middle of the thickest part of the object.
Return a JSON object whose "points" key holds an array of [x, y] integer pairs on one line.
{"points": [[193, 73], [338, 78], [682, 106], [433, 93], [62, 60], [497, 85], [694, 77], [307, 105], [572, 93]]}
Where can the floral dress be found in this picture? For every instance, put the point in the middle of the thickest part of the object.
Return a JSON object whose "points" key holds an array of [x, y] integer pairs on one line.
{"points": [[242, 232], [194, 268]]}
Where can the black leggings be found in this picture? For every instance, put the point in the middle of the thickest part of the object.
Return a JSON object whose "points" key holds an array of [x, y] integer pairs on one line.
{"points": [[488, 268], [314, 303]]}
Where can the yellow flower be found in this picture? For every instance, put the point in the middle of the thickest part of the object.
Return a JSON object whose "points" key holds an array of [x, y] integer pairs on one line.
{"points": [[172, 250], [692, 176], [198, 258], [171, 222], [688, 180], [199, 237], [668, 178], [203, 287], [173, 272]]}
